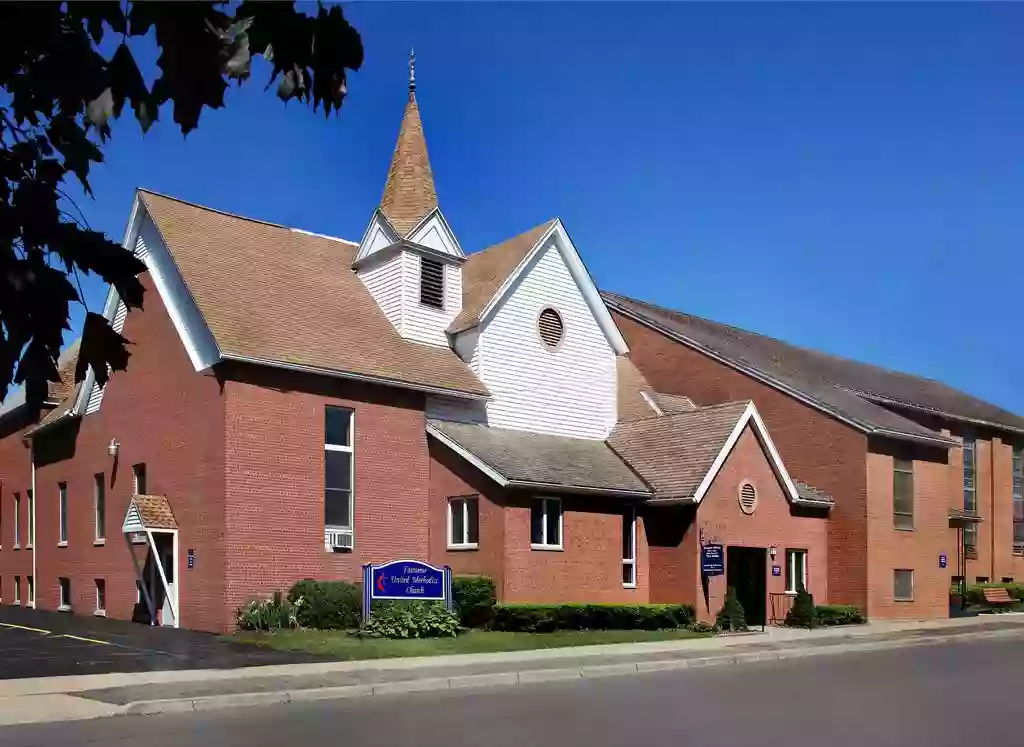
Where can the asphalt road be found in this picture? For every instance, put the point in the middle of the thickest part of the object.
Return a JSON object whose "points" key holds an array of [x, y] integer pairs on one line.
{"points": [[963, 693]]}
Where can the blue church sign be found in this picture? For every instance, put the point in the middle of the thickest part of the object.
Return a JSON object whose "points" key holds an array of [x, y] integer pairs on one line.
{"points": [[712, 560], [406, 579]]}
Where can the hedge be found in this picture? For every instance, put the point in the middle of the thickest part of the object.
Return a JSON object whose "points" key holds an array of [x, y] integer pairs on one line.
{"points": [[544, 618], [474, 598], [838, 614], [976, 596], [327, 605]]}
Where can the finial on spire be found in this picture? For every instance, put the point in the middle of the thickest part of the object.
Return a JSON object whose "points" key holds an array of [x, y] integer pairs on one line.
{"points": [[412, 71]]}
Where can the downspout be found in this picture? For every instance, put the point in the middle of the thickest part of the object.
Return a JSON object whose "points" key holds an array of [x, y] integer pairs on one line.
{"points": [[32, 526], [992, 513]]}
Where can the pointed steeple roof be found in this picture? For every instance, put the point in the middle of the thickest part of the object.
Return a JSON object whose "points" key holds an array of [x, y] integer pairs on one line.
{"points": [[409, 192]]}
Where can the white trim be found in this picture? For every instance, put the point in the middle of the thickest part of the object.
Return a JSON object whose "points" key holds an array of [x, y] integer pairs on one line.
{"points": [[791, 554], [749, 416], [64, 602], [349, 449], [159, 563], [579, 274], [631, 561], [62, 514], [545, 545], [446, 229], [385, 226], [353, 376], [650, 401], [466, 545]]}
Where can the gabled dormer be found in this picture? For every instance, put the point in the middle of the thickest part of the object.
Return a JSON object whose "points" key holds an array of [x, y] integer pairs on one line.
{"points": [[408, 258]]}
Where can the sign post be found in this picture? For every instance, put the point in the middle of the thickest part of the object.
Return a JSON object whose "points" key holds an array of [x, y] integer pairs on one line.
{"points": [[406, 580], [712, 560]]}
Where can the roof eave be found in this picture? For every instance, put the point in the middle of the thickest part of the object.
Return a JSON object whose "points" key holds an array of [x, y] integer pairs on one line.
{"points": [[411, 246], [939, 413], [578, 489], [940, 441], [353, 376]]}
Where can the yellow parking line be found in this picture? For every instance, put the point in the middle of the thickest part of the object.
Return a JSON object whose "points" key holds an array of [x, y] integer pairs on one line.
{"points": [[25, 627], [80, 638]]}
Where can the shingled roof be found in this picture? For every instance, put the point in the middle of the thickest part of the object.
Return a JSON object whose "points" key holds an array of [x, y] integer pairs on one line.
{"points": [[271, 293], [846, 389], [409, 192]]}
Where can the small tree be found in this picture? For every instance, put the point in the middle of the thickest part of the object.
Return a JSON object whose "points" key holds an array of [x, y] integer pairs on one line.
{"points": [[731, 616], [801, 615]]}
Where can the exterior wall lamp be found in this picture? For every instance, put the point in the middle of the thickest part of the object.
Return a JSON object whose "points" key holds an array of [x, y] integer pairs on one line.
{"points": [[113, 447], [773, 551]]}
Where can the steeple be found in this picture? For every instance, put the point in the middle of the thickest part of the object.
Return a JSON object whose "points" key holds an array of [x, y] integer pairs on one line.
{"points": [[409, 192]]}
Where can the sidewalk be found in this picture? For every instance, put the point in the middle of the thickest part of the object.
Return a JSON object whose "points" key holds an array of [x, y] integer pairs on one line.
{"points": [[93, 696]]}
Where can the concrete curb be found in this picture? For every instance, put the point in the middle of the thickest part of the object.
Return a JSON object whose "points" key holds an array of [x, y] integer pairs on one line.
{"points": [[533, 676]]}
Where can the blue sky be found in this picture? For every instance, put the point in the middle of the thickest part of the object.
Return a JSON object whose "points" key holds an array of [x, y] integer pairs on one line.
{"points": [[843, 176]]}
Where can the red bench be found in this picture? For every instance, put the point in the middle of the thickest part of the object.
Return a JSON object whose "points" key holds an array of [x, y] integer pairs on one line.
{"points": [[997, 597]]}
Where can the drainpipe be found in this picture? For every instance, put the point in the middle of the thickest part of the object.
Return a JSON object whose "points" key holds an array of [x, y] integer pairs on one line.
{"points": [[31, 536], [992, 511]]}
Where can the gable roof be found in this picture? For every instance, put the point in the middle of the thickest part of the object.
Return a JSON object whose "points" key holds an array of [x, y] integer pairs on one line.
{"points": [[824, 382], [485, 271], [273, 295], [409, 192], [523, 459]]}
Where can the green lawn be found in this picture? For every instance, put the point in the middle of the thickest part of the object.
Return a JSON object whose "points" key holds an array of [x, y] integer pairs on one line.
{"points": [[342, 645]]}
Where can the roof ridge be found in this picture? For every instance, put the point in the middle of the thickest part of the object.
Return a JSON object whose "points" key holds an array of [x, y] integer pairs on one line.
{"points": [[699, 409]]}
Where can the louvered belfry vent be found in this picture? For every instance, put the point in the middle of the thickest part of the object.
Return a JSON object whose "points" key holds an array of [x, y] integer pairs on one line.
{"points": [[550, 327], [748, 498], [431, 283]]}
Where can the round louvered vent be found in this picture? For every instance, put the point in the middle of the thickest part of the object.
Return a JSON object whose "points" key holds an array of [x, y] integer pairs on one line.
{"points": [[748, 498], [550, 327]]}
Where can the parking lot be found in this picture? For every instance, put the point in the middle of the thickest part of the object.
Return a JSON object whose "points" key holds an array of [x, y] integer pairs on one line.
{"points": [[37, 643]]}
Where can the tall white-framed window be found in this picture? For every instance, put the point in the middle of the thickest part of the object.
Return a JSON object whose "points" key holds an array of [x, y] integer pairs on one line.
{"points": [[139, 485], [970, 450], [629, 548], [62, 511], [17, 526], [17, 590], [546, 524], [339, 458], [31, 591], [65, 594], [101, 597], [31, 521], [796, 571], [464, 523], [99, 508], [1018, 499]]}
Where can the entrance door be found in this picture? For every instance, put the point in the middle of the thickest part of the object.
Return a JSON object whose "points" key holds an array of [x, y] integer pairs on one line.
{"points": [[745, 571], [165, 548]]}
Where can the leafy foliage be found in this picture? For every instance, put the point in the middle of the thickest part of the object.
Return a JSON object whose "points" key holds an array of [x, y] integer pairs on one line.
{"points": [[838, 614], [544, 618], [703, 627], [732, 616], [474, 598], [976, 592], [276, 613], [801, 614], [59, 92], [327, 605], [412, 620]]}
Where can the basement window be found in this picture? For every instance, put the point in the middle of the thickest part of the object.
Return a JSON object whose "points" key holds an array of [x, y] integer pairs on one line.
{"points": [[65, 594], [431, 283]]}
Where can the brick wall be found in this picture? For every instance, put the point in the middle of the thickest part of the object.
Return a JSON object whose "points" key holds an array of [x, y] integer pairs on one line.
{"points": [[15, 477], [274, 480], [815, 448], [167, 416]]}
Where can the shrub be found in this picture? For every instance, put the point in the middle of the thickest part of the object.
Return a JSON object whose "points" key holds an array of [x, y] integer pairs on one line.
{"points": [[271, 614], [801, 614], [838, 614], [703, 627], [975, 592], [412, 620], [474, 598], [731, 616], [544, 618], [327, 605]]}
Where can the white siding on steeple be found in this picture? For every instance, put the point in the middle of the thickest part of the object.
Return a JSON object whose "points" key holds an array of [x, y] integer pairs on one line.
{"points": [[423, 323], [378, 234], [568, 391], [384, 281]]}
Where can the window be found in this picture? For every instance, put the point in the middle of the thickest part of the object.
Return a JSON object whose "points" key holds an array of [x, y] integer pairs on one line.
{"points": [[796, 571], [546, 524], [970, 497], [550, 328], [65, 593], [464, 522], [31, 590], [981, 579], [629, 548], [62, 511], [99, 506], [1018, 500], [101, 597], [431, 283], [31, 519], [903, 585], [17, 590], [17, 521], [1007, 579], [139, 478], [338, 458], [902, 494]]}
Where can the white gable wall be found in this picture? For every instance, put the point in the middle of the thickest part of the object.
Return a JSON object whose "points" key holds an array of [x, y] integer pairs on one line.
{"points": [[467, 347], [423, 323], [378, 234], [384, 281], [434, 232], [570, 391]]}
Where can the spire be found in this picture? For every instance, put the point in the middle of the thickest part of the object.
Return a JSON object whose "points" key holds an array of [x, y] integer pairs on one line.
{"points": [[409, 192]]}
